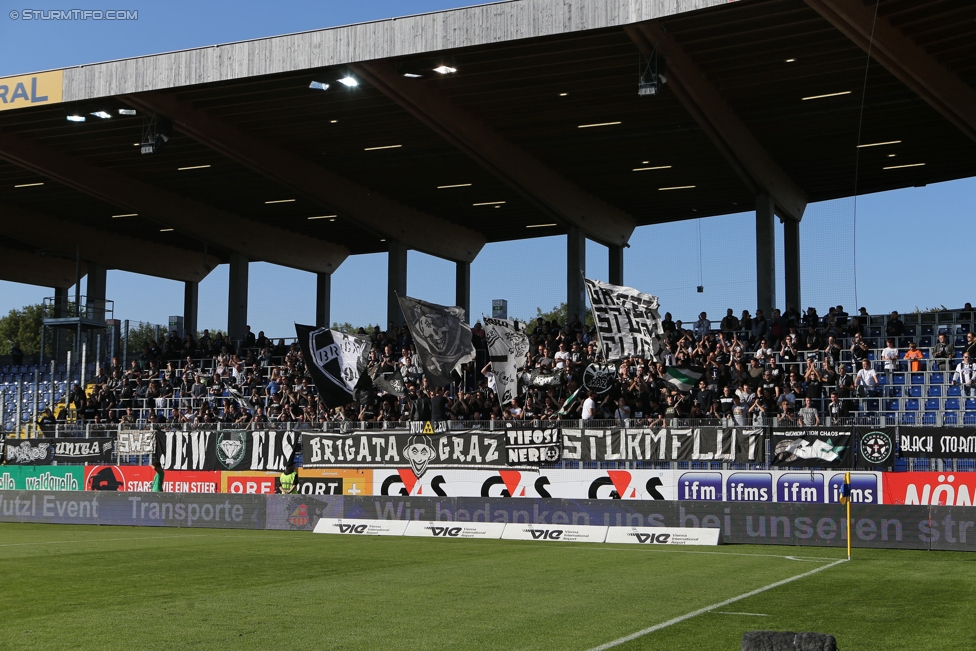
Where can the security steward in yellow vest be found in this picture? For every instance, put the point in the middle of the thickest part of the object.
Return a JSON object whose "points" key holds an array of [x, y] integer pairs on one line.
{"points": [[288, 480]]}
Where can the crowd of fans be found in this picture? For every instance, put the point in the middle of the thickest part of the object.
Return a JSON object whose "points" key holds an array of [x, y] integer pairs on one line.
{"points": [[797, 368]]}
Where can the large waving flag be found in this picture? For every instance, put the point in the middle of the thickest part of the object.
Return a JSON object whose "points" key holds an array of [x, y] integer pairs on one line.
{"points": [[335, 361], [627, 321], [684, 378], [441, 337]]}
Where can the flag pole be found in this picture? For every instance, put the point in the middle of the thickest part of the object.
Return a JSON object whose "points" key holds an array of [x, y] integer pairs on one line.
{"points": [[847, 481]]}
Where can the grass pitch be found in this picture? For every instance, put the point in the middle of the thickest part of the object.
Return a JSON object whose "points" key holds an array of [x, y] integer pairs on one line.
{"points": [[78, 587]]}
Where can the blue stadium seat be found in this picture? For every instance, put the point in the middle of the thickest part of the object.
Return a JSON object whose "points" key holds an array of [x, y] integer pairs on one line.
{"points": [[950, 418], [909, 331], [926, 329], [928, 418], [934, 391], [954, 390], [911, 404], [932, 404], [963, 328], [915, 391], [925, 342], [871, 404], [875, 331], [969, 418], [898, 378], [960, 340], [890, 418], [936, 378], [952, 404], [908, 418], [891, 405], [894, 392], [970, 404], [918, 378]]}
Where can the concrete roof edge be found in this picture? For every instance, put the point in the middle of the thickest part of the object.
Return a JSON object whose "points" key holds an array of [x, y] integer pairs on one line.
{"points": [[403, 36]]}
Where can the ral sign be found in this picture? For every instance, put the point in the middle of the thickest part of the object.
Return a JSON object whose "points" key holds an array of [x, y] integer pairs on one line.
{"points": [[30, 90]]}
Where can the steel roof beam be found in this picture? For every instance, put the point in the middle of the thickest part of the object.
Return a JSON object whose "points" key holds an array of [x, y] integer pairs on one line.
{"points": [[909, 63], [366, 208], [109, 250], [546, 189], [757, 168], [255, 240], [33, 269]]}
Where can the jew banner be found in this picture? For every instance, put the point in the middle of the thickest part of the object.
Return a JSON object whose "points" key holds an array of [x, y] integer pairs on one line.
{"points": [[441, 337], [937, 442], [507, 347], [627, 322], [335, 360], [470, 449], [812, 448], [665, 444], [226, 450]]}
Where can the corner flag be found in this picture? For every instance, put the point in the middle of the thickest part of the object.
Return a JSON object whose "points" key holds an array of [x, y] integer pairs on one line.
{"points": [[845, 498]]}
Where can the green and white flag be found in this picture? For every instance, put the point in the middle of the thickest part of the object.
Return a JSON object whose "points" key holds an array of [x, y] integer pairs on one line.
{"points": [[684, 378], [570, 401]]}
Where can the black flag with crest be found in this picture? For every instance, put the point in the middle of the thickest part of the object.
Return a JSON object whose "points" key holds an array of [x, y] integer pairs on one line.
{"points": [[441, 337], [335, 360], [389, 382]]}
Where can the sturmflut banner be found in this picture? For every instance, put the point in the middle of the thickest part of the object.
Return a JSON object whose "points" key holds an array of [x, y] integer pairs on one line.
{"points": [[666, 444], [466, 449], [627, 321]]}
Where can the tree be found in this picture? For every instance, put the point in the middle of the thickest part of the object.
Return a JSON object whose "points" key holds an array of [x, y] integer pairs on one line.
{"points": [[350, 329], [23, 327], [557, 314]]}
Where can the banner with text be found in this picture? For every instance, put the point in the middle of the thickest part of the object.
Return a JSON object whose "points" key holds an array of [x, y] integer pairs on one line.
{"points": [[225, 450], [460, 449], [812, 447], [937, 442], [665, 444]]}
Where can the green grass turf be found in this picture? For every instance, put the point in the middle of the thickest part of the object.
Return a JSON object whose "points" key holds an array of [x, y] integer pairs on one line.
{"points": [[106, 588]]}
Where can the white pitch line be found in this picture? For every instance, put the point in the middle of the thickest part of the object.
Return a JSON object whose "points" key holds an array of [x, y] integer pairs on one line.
{"points": [[666, 550], [98, 540], [702, 611], [723, 612]]}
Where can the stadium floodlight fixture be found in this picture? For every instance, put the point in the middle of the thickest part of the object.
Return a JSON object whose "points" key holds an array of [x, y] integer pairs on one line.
{"points": [[75, 118], [349, 82], [129, 214], [192, 167], [29, 185], [127, 111], [280, 201], [656, 167], [539, 225], [791, 60], [563, 94], [455, 185], [165, 230], [333, 121], [331, 218], [676, 187], [597, 124], [445, 70], [879, 144], [825, 95], [102, 114], [382, 147], [319, 85], [488, 203], [899, 167], [412, 75]]}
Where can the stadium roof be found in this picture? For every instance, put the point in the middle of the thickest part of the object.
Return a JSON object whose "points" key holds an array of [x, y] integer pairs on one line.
{"points": [[538, 130]]}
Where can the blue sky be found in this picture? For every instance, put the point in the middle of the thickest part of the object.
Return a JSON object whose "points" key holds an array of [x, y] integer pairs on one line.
{"points": [[904, 239]]}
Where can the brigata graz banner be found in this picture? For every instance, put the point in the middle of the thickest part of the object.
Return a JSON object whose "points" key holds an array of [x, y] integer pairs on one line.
{"points": [[458, 449], [225, 450], [937, 442], [666, 444], [812, 447]]}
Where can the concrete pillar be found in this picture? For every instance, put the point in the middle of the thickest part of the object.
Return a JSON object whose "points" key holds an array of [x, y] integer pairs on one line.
{"points": [[60, 310], [396, 282], [462, 289], [765, 254], [95, 292], [323, 300], [237, 297], [191, 306], [575, 268], [616, 254], [791, 250]]}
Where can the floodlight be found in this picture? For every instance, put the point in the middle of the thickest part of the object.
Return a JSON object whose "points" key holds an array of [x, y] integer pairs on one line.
{"points": [[349, 82], [318, 85]]}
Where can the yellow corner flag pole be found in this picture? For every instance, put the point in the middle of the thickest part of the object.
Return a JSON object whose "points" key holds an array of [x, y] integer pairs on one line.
{"points": [[847, 484]]}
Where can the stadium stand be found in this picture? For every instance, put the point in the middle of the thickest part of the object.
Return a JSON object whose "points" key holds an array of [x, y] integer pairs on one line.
{"points": [[770, 366]]}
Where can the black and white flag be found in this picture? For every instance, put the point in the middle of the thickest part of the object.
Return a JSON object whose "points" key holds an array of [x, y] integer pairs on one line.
{"points": [[627, 321], [507, 346], [335, 360], [441, 337], [389, 382]]}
